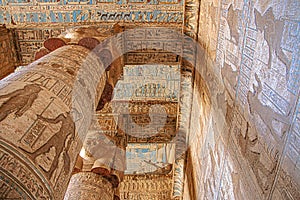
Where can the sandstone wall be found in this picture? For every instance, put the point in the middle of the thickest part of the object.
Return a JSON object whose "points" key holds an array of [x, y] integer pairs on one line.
{"points": [[247, 131], [8, 58]]}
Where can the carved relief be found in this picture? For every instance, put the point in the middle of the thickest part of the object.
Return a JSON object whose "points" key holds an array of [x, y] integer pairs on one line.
{"points": [[273, 32], [148, 82], [76, 11], [88, 185], [8, 54], [138, 107], [144, 187], [8, 192], [256, 63], [55, 151], [30, 40], [19, 101], [286, 187], [149, 158], [139, 58], [191, 17], [44, 128], [233, 23], [28, 183]]}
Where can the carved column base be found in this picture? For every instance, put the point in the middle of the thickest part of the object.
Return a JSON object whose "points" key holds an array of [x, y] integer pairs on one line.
{"points": [[89, 186]]}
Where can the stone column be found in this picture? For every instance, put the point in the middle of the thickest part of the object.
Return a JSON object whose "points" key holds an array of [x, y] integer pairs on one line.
{"points": [[185, 108], [45, 111], [178, 179], [191, 18], [89, 186], [103, 156]]}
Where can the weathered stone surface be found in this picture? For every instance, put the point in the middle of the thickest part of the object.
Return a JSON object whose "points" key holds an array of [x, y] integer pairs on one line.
{"points": [[244, 137], [88, 185], [30, 38], [8, 54], [144, 187], [250, 121], [40, 128]]}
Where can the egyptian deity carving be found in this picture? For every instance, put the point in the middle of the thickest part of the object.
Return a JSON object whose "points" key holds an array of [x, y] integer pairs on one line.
{"points": [[273, 32], [19, 101], [55, 150], [232, 20], [266, 113]]}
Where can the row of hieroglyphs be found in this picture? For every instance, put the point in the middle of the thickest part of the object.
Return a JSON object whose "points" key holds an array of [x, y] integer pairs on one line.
{"points": [[90, 2], [30, 39], [30, 180], [15, 12], [156, 187], [149, 82]]}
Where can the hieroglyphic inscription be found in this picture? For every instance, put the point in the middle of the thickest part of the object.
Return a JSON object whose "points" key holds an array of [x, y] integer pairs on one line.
{"points": [[290, 41], [89, 185], [136, 114], [162, 130], [264, 60], [145, 158], [144, 187], [30, 40], [9, 189], [51, 83], [8, 54], [146, 43], [138, 107], [288, 180], [44, 11], [43, 124], [228, 53], [275, 61], [27, 180], [148, 82], [138, 58]]}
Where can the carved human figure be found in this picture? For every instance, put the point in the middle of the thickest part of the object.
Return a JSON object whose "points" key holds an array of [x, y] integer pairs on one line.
{"points": [[19, 101], [273, 32], [232, 20], [61, 140], [267, 114], [63, 161]]}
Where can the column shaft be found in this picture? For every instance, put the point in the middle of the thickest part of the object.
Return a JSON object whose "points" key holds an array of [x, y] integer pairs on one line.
{"points": [[45, 110], [91, 186], [185, 108]]}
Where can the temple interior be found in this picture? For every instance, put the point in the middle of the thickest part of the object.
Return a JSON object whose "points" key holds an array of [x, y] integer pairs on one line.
{"points": [[150, 99]]}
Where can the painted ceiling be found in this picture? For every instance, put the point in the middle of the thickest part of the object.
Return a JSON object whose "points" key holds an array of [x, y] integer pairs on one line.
{"points": [[144, 106], [34, 21], [15, 12], [149, 82], [150, 158]]}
